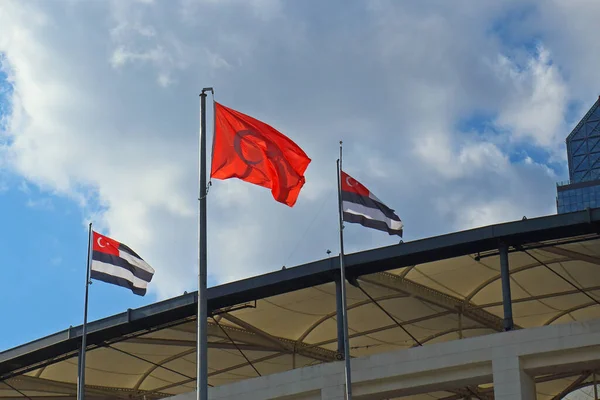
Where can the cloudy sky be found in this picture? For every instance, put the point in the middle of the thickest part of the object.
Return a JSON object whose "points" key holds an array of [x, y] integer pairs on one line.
{"points": [[454, 113]]}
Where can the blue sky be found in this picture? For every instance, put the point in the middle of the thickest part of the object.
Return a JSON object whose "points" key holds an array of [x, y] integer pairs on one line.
{"points": [[453, 115], [45, 243], [43, 247], [43, 262]]}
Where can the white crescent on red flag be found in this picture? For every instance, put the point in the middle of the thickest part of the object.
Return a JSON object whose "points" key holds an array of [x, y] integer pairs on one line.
{"points": [[361, 206]]}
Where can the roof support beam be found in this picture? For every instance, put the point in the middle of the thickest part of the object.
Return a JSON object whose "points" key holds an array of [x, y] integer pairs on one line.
{"points": [[31, 384], [349, 307], [253, 336], [488, 392], [284, 345], [240, 336], [160, 364], [573, 255], [449, 331], [394, 282], [221, 371], [253, 329], [386, 327], [540, 297], [513, 271], [473, 392], [573, 386], [462, 394], [192, 343], [570, 310]]}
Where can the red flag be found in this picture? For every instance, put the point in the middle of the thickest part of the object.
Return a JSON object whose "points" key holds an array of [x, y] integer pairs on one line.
{"points": [[253, 151]]}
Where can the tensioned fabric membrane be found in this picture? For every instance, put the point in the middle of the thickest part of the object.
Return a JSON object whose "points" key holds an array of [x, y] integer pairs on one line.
{"points": [[456, 293]]}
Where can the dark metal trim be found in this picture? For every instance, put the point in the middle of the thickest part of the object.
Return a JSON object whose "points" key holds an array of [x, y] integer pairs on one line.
{"points": [[505, 278], [577, 185], [339, 321]]}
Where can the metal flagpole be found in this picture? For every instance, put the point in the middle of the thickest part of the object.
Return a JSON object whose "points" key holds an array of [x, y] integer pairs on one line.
{"points": [[81, 377], [343, 282], [202, 345]]}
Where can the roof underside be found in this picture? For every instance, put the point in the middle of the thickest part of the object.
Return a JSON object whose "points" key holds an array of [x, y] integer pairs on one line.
{"points": [[436, 301]]}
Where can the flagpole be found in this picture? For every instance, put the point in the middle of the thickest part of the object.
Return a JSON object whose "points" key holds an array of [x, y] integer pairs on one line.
{"points": [[202, 328], [343, 282], [81, 377]]}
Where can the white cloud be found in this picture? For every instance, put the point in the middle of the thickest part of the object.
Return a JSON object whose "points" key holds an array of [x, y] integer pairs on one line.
{"points": [[572, 43], [165, 80], [105, 109], [122, 56], [459, 160], [43, 203], [24, 187], [537, 104]]}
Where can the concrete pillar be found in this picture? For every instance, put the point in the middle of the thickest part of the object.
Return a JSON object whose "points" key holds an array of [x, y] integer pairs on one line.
{"points": [[511, 382], [333, 392]]}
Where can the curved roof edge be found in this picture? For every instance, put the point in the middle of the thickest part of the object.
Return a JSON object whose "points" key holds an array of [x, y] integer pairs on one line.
{"points": [[65, 344]]}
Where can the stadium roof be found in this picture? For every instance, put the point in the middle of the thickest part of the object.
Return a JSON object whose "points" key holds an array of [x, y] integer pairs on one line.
{"points": [[436, 289]]}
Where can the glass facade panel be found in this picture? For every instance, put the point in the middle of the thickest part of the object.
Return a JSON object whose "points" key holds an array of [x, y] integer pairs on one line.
{"points": [[578, 199], [583, 147], [583, 151]]}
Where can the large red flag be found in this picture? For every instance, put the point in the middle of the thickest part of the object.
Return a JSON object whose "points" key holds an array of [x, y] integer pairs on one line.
{"points": [[253, 151]]}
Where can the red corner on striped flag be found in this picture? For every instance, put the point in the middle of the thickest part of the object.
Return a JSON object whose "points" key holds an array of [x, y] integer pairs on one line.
{"points": [[115, 263], [349, 184], [105, 245]]}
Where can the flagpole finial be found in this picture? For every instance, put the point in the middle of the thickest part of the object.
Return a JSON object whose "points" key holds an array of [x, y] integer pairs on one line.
{"points": [[208, 89]]}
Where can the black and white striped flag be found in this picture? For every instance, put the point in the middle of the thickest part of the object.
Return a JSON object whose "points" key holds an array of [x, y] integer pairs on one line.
{"points": [[115, 263], [361, 206]]}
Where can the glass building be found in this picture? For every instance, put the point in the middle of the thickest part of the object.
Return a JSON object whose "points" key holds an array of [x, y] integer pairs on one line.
{"points": [[583, 152]]}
